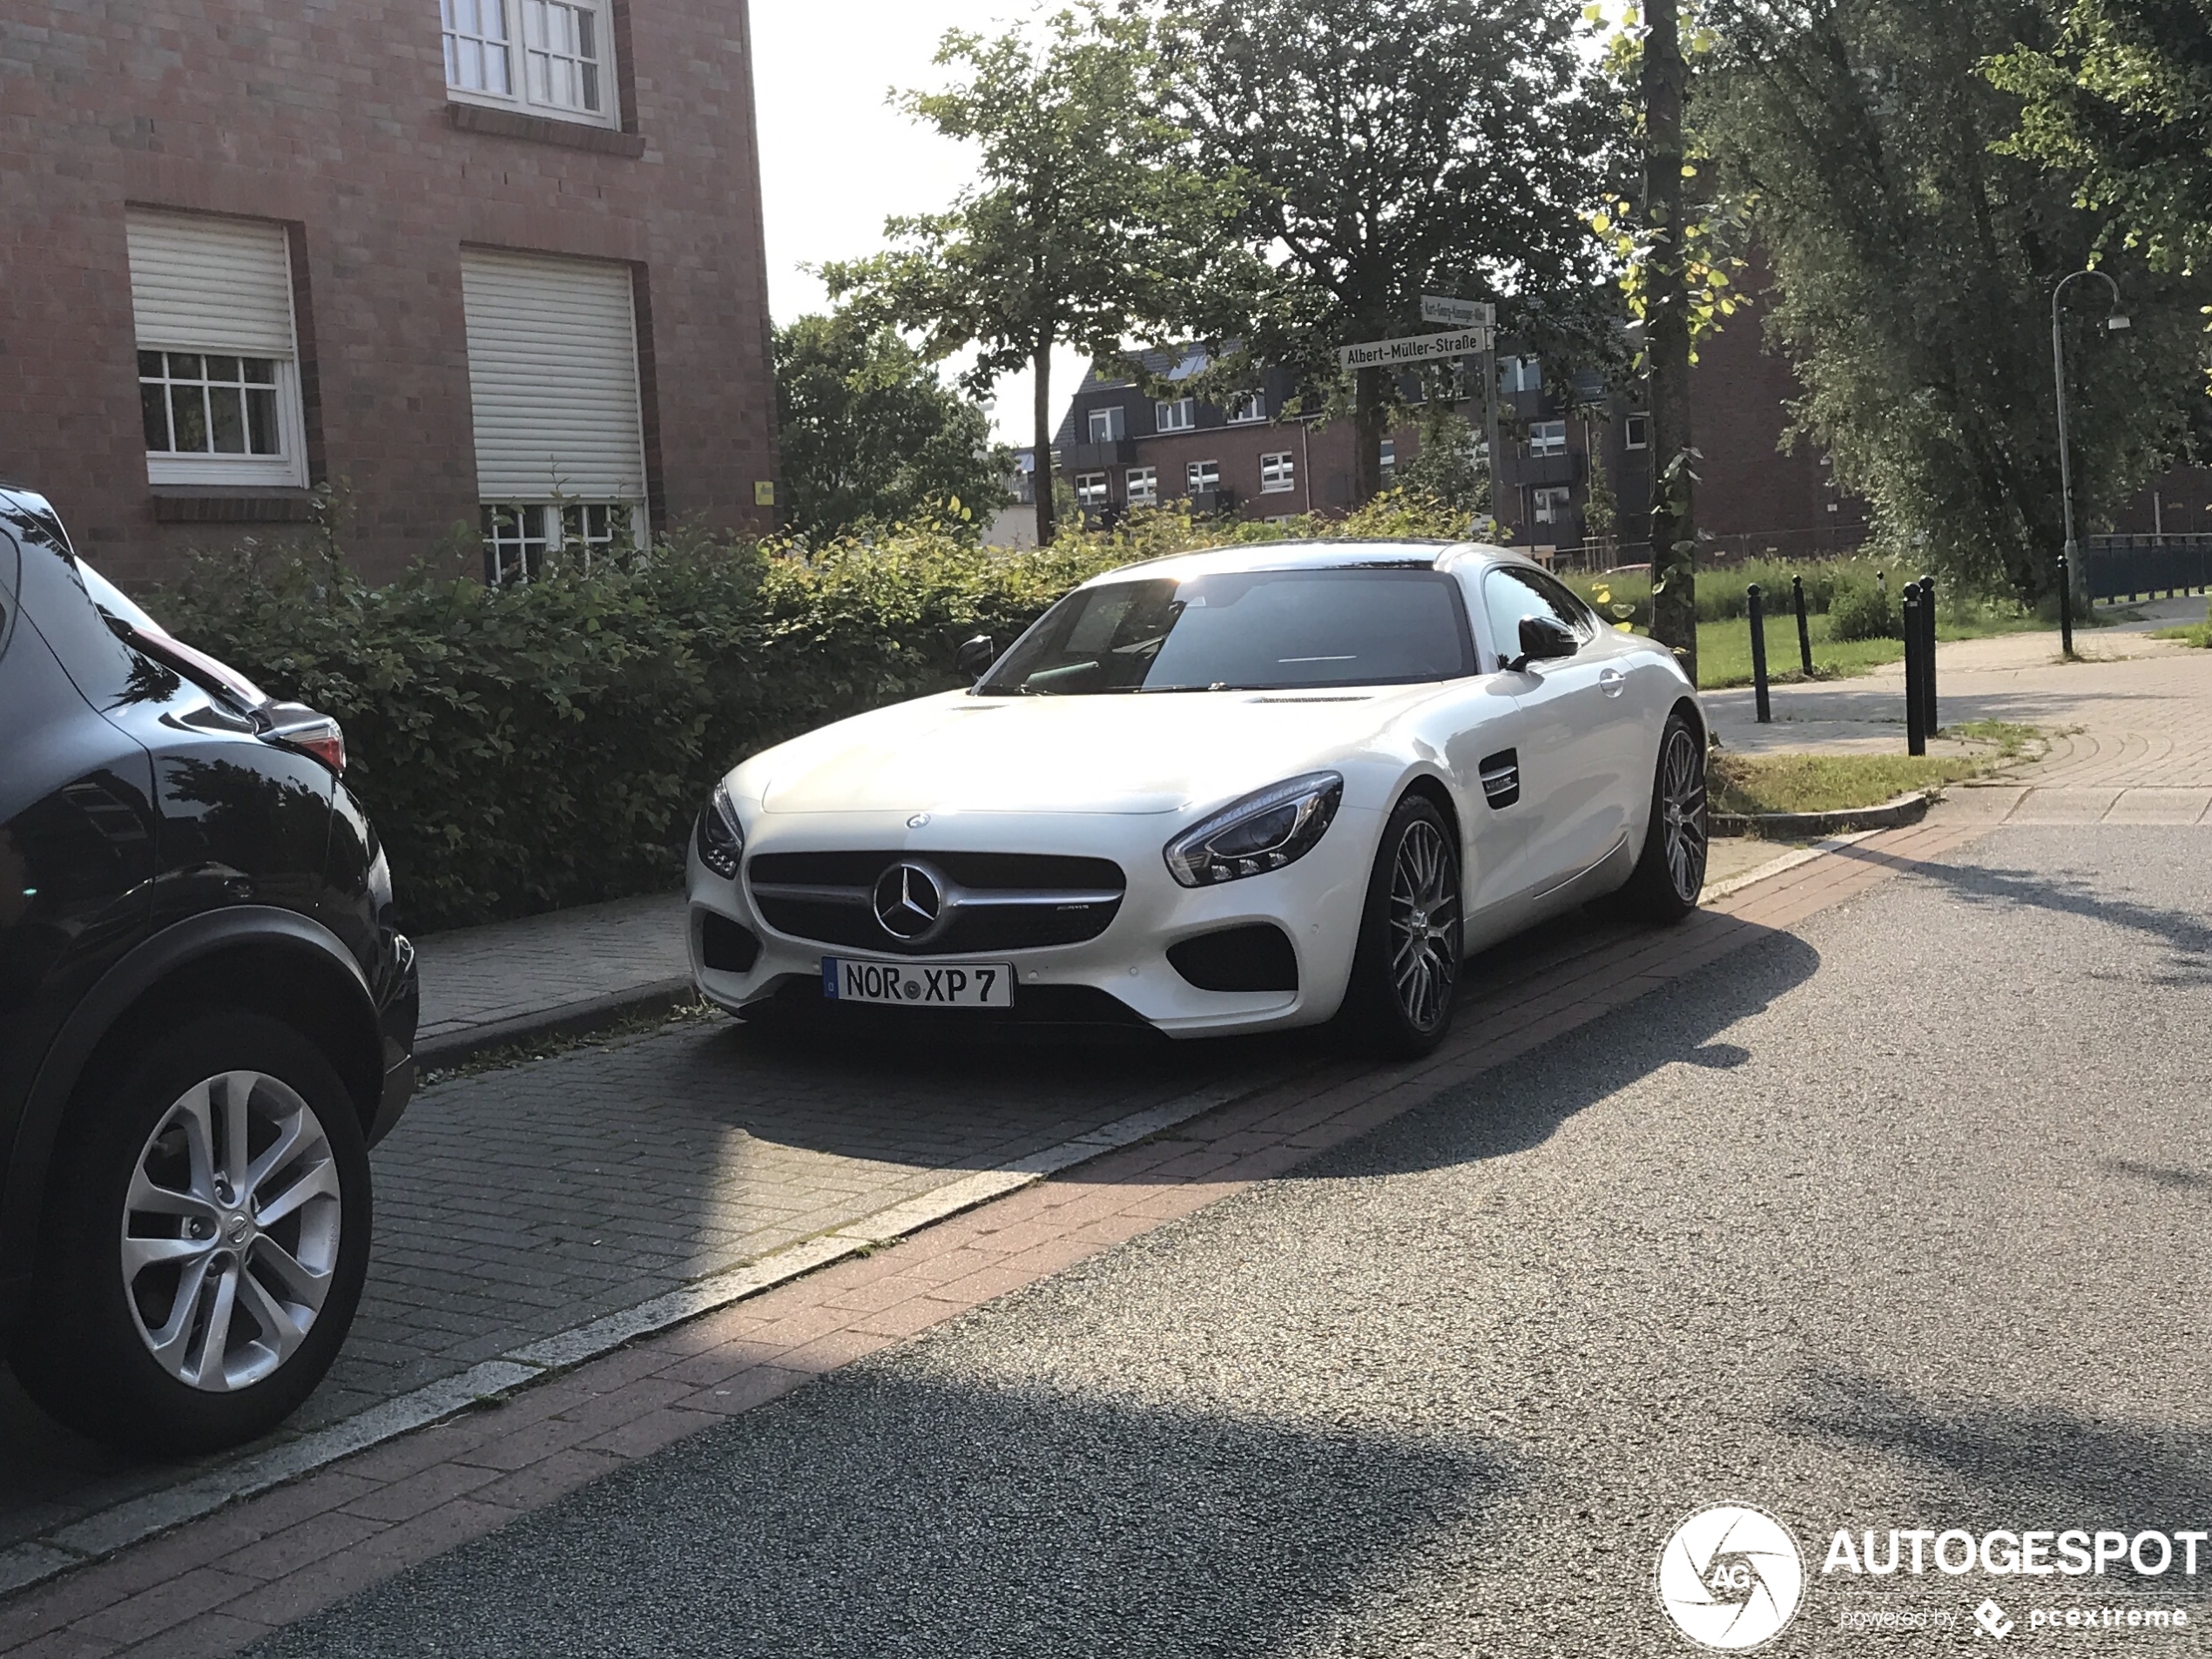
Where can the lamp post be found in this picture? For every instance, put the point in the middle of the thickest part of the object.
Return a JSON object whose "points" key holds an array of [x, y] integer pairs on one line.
{"points": [[2114, 323]]}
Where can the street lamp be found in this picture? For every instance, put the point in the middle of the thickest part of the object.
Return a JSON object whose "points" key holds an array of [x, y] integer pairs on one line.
{"points": [[2116, 322]]}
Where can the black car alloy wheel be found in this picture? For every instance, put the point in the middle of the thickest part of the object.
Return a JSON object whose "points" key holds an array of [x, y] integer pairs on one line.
{"points": [[1424, 926]]}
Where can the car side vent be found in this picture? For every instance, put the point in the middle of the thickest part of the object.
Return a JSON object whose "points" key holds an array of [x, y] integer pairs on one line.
{"points": [[725, 947], [1501, 779], [1257, 957]]}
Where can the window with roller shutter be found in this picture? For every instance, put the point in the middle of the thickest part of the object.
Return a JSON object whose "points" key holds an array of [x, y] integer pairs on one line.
{"points": [[219, 371], [553, 387]]}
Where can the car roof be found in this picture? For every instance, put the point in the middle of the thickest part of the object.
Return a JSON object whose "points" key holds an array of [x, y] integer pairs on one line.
{"points": [[1318, 555]]}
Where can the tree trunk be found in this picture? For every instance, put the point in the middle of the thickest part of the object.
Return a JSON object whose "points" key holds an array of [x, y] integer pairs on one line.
{"points": [[1367, 435], [1041, 462], [1666, 325]]}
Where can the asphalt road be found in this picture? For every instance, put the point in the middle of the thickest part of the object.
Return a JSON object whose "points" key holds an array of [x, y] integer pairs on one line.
{"points": [[1899, 1222]]}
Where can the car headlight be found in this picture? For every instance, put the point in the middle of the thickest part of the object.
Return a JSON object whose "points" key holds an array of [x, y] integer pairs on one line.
{"points": [[1263, 831], [720, 841]]}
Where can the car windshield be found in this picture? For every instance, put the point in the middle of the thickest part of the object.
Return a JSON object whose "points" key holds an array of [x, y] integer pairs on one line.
{"points": [[1245, 630]]}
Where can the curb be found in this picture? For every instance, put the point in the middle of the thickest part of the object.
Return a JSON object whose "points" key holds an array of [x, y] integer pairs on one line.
{"points": [[1894, 814], [134, 1520], [563, 1019]]}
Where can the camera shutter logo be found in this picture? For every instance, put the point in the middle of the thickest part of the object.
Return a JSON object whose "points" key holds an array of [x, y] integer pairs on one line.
{"points": [[1731, 1577]]}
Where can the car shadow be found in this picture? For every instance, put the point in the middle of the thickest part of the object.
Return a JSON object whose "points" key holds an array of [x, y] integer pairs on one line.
{"points": [[876, 1513]]}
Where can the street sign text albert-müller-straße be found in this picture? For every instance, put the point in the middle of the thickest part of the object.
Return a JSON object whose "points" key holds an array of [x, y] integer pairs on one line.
{"points": [[1417, 348]]}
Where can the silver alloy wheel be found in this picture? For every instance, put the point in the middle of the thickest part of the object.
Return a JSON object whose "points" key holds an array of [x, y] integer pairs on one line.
{"points": [[1424, 926], [230, 1231], [1681, 811]]}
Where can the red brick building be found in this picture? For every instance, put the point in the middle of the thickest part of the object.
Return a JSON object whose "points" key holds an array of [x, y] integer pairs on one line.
{"points": [[494, 264]]}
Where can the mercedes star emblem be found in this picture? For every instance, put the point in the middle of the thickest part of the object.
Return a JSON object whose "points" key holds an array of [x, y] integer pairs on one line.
{"points": [[908, 899], [918, 820]]}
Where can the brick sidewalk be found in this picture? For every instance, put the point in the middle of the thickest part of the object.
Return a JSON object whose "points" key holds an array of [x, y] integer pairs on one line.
{"points": [[215, 1584]]}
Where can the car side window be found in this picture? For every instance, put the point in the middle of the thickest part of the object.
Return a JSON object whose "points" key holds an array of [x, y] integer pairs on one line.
{"points": [[10, 562], [1510, 593], [1566, 604]]}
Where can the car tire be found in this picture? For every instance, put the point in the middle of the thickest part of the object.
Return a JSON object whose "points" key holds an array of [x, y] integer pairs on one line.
{"points": [[1670, 872], [1406, 966], [218, 1173]]}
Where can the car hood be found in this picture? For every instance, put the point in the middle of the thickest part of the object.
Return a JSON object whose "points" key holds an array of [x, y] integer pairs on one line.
{"points": [[1069, 754]]}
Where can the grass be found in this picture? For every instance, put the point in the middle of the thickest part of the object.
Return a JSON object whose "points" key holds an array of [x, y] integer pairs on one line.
{"points": [[2198, 634], [1757, 783], [1725, 648], [1752, 785]]}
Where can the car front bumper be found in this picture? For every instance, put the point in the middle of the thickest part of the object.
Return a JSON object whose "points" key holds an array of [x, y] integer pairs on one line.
{"points": [[1316, 901]]}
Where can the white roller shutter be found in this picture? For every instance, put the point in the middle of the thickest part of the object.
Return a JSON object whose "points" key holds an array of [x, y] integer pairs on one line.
{"points": [[553, 377], [211, 284]]}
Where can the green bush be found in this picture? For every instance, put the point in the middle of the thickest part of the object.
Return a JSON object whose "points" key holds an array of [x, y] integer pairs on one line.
{"points": [[548, 744], [1863, 610]]}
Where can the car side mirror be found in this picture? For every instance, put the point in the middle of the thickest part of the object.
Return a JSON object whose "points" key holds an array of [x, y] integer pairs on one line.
{"points": [[976, 656], [1542, 639]]}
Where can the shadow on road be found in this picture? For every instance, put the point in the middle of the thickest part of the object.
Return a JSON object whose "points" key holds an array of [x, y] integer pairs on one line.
{"points": [[2037, 1466], [877, 1515]]}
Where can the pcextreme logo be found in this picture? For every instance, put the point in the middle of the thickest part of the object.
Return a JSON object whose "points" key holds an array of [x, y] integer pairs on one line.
{"points": [[1731, 1577]]}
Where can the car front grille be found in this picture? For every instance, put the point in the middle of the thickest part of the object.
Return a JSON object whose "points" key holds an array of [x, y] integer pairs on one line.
{"points": [[991, 900]]}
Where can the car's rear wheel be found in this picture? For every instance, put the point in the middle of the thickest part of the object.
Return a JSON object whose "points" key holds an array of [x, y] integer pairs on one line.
{"points": [[205, 1236], [1670, 873], [1406, 968]]}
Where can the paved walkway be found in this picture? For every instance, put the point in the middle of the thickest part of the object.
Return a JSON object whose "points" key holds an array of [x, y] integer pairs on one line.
{"points": [[2131, 724]]}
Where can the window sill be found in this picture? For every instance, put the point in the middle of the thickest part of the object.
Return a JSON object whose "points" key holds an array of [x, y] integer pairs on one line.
{"points": [[541, 129], [231, 504]]}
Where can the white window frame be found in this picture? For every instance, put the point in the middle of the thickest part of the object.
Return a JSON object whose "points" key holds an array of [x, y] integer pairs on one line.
{"points": [[529, 29], [1091, 489], [1108, 423], [524, 529], [1142, 486], [1178, 415], [1550, 504], [1547, 438], [1522, 374], [1248, 409], [287, 469], [1636, 432], [1277, 472], [1200, 475]]}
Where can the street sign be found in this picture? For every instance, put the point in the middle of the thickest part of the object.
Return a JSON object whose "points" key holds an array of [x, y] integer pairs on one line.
{"points": [[1416, 348], [1458, 313]]}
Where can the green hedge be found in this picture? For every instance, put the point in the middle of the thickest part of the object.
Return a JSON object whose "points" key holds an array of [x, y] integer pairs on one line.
{"points": [[549, 744]]}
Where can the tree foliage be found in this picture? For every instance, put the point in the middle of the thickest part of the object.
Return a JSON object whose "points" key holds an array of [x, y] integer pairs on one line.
{"points": [[1390, 148], [1914, 268], [2121, 102], [1083, 225], [869, 434]]}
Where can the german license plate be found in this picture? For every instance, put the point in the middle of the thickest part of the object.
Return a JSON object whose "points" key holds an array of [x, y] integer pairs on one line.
{"points": [[934, 985]]}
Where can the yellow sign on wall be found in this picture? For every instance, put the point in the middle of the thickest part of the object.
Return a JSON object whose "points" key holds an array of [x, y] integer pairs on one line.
{"points": [[764, 493]]}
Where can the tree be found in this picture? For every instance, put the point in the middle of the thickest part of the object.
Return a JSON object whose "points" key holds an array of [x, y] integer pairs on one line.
{"points": [[1082, 225], [1390, 148], [1666, 339], [2121, 101], [869, 434], [1914, 266], [1445, 468]]}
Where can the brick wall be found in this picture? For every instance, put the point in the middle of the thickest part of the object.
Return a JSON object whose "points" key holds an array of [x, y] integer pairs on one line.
{"points": [[334, 120]]}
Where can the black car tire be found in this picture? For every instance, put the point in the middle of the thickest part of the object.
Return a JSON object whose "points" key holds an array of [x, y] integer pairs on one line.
{"points": [[1670, 872], [78, 1350], [1379, 1015]]}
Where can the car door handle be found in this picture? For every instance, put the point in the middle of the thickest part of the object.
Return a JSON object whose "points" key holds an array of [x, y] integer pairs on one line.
{"points": [[1610, 681]]}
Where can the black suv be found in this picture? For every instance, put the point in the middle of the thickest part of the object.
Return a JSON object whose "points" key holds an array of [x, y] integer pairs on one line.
{"points": [[206, 1018]]}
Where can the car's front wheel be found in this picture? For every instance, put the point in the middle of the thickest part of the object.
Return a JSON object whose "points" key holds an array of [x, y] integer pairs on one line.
{"points": [[204, 1239], [1406, 968]]}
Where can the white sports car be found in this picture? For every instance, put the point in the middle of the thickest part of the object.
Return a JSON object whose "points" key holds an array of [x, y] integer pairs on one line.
{"points": [[1230, 790]]}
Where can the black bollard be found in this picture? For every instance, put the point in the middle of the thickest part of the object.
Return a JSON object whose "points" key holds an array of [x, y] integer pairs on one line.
{"points": [[1916, 732], [1804, 633], [2066, 609], [1759, 652], [1929, 722]]}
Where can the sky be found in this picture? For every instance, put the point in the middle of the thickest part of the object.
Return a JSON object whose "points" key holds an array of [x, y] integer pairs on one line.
{"points": [[836, 158]]}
